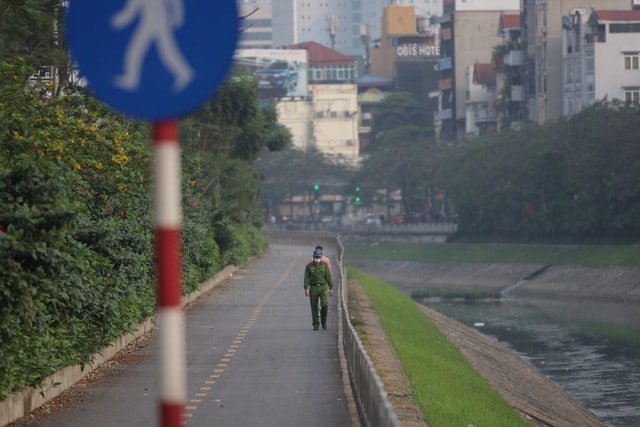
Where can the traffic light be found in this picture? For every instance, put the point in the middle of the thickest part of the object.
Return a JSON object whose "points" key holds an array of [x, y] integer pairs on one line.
{"points": [[357, 197], [316, 187]]}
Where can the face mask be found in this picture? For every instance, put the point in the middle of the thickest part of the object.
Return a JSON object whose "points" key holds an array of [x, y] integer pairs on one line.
{"points": [[316, 260]]}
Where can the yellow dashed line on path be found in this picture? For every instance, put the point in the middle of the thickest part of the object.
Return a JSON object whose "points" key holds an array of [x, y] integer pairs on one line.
{"points": [[230, 352]]}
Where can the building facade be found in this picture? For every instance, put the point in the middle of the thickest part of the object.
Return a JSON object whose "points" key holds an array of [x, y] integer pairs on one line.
{"points": [[256, 25], [601, 58], [468, 34], [346, 26], [543, 31], [408, 54], [327, 118], [480, 94]]}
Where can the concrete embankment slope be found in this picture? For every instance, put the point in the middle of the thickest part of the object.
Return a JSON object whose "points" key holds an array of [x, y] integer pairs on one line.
{"points": [[610, 283], [548, 288]]}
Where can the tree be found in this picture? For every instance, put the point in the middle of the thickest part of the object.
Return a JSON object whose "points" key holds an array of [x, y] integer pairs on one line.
{"points": [[399, 109], [220, 143], [402, 152], [294, 171], [33, 31], [234, 124]]}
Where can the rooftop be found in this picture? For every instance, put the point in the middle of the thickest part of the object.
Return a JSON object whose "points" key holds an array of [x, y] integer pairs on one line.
{"points": [[617, 15], [484, 74], [321, 55], [509, 21]]}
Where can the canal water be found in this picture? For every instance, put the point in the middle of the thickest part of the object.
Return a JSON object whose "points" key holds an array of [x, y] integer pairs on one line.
{"points": [[589, 348]]}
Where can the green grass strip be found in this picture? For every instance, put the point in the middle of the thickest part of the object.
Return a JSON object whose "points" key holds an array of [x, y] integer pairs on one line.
{"points": [[595, 255], [448, 389]]}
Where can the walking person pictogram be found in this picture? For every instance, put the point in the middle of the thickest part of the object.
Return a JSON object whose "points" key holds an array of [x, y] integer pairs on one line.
{"points": [[157, 20]]}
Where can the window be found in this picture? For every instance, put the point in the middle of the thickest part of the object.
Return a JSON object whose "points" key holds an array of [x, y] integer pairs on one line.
{"points": [[601, 33], [632, 96], [624, 28], [631, 61], [569, 77]]}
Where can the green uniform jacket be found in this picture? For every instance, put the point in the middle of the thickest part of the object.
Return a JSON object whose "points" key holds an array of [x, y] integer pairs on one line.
{"points": [[317, 274]]}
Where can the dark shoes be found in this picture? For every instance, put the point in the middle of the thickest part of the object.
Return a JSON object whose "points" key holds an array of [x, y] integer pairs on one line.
{"points": [[315, 328], [324, 326]]}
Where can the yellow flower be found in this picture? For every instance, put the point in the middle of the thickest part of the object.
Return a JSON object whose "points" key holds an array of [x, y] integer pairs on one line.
{"points": [[120, 158], [76, 167]]}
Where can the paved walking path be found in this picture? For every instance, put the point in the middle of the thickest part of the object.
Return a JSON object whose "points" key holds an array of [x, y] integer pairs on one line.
{"points": [[252, 359]]}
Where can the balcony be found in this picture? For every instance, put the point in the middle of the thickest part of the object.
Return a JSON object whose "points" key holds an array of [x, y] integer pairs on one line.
{"points": [[484, 115], [517, 93], [514, 58]]}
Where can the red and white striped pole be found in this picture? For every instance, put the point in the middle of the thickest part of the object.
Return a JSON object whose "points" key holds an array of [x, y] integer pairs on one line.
{"points": [[171, 322]]}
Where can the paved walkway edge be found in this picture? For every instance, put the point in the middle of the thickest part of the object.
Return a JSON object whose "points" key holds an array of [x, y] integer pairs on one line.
{"points": [[21, 403]]}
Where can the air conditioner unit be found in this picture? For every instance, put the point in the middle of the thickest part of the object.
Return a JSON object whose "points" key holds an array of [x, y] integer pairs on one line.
{"points": [[635, 2]]}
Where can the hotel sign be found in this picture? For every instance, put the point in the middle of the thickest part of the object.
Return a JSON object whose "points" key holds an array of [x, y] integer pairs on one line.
{"points": [[415, 50]]}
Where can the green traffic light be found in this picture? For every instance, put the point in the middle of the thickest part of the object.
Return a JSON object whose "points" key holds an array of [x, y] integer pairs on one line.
{"points": [[357, 188], [316, 187], [357, 199]]}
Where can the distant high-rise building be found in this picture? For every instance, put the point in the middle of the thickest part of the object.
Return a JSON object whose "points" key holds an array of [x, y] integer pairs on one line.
{"points": [[256, 25], [346, 26]]}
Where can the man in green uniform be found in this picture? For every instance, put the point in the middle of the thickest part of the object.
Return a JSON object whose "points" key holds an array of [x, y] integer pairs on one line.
{"points": [[317, 280]]}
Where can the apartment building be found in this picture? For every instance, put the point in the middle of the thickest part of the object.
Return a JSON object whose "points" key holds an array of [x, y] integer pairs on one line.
{"points": [[480, 91], [543, 43], [256, 24], [468, 34], [601, 58], [327, 118]]}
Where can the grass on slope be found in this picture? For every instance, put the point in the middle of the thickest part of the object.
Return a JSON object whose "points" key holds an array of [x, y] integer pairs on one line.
{"points": [[448, 389], [605, 255]]}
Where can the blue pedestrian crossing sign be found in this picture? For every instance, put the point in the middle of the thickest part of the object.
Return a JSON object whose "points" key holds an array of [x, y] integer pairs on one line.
{"points": [[153, 59]]}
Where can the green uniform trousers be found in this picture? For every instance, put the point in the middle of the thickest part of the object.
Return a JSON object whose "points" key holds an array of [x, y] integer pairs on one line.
{"points": [[319, 294]]}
